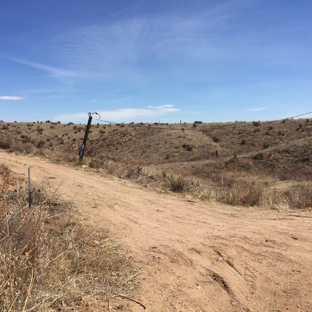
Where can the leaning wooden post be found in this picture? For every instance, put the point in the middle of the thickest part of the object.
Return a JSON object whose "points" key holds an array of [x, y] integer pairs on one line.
{"points": [[83, 145]]}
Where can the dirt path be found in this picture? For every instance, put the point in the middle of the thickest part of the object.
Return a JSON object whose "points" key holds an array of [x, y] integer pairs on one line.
{"points": [[196, 256]]}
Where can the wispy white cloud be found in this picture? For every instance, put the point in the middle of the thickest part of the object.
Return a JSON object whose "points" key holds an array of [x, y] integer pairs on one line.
{"points": [[122, 114], [103, 51], [50, 70], [10, 98], [129, 49], [256, 109]]}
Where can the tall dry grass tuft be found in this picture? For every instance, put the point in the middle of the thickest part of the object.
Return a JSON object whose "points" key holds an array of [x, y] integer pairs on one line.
{"points": [[177, 184], [299, 197], [49, 257], [244, 192]]}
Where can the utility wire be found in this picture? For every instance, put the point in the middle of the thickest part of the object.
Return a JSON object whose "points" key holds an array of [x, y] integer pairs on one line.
{"points": [[112, 122], [297, 116]]}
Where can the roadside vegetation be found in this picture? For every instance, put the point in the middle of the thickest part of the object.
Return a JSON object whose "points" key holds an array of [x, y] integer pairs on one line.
{"points": [[266, 164], [51, 259]]}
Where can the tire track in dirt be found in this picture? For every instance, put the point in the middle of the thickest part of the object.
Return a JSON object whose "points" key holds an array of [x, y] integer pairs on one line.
{"points": [[195, 256]]}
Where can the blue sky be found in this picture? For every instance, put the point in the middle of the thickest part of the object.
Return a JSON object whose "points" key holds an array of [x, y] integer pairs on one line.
{"points": [[149, 61]]}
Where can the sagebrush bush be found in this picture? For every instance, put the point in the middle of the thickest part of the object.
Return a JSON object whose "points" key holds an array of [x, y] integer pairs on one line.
{"points": [[6, 142]]}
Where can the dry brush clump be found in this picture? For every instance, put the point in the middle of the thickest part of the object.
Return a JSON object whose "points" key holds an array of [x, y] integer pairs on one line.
{"points": [[236, 182], [50, 258], [177, 184], [300, 196], [227, 189], [241, 189], [11, 144]]}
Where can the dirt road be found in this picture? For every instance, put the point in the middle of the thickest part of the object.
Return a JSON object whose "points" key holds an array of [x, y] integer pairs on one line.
{"points": [[196, 256]]}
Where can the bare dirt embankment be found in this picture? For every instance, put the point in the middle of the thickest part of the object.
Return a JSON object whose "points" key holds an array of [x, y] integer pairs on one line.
{"points": [[195, 256]]}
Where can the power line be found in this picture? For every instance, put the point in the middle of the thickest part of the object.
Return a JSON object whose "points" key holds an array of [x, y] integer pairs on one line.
{"points": [[113, 122], [298, 116]]}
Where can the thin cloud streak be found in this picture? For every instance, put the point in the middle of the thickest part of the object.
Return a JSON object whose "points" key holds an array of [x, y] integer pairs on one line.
{"points": [[122, 114], [256, 109], [117, 51], [53, 71], [10, 98]]}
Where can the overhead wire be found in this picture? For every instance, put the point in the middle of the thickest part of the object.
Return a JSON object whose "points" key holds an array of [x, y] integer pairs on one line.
{"points": [[113, 122]]}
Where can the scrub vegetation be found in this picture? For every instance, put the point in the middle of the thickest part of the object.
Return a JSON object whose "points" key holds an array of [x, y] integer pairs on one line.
{"points": [[50, 258], [265, 164]]}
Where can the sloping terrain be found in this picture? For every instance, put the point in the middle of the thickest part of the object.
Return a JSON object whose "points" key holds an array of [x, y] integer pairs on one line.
{"points": [[158, 143], [195, 256], [265, 164]]}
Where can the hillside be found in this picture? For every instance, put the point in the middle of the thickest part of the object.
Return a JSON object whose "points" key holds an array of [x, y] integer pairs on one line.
{"points": [[214, 161]]}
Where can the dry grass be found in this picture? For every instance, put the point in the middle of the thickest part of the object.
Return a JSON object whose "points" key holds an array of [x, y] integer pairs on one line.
{"points": [[49, 257], [177, 184], [236, 163]]}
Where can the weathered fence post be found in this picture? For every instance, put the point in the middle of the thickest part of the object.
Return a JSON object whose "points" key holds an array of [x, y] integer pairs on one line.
{"points": [[29, 190]]}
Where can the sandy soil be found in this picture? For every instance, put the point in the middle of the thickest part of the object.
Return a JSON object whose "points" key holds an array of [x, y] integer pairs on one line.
{"points": [[195, 256]]}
